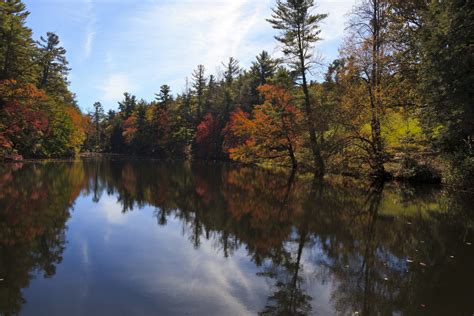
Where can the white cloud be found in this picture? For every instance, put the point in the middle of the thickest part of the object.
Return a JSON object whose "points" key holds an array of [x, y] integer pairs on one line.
{"points": [[114, 87], [334, 25], [164, 41]]}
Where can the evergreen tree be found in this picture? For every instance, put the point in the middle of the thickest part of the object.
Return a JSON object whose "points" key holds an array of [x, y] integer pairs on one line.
{"points": [[128, 104], [264, 67], [199, 85], [164, 97], [261, 71], [17, 50], [232, 70], [447, 76], [299, 29], [97, 118], [53, 63]]}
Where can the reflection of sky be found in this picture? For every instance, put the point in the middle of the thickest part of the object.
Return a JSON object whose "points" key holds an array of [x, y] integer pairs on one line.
{"points": [[124, 264]]}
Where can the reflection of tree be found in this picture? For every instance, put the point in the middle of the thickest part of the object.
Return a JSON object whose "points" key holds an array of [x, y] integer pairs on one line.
{"points": [[290, 298], [363, 238], [34, 206]]}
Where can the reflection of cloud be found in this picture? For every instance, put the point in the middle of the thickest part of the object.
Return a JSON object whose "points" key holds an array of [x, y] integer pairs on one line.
{"points": [[112, 210], [185, 280]]}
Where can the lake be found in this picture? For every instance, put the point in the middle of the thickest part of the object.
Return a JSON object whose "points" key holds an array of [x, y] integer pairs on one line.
{"points": [[137, 237]]}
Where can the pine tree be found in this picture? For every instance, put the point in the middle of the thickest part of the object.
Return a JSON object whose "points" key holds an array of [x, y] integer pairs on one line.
{"points": [[164, 97], [232, 70], [447, 76], [97, 118], [264, 67], [53, 63], [199, 85], [299, 29], [127, 106], [17, 50]]}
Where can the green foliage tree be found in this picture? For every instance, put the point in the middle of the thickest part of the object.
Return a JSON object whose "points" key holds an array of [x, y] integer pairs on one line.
{"points": [[199, 85], [164, 97], [53, 63], [446, 85], [128, 104], [17, 49]]}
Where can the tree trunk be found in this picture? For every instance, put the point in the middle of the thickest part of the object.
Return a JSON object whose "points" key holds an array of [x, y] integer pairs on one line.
{"points": [[318, 159], [294, 162], [375, 103]]}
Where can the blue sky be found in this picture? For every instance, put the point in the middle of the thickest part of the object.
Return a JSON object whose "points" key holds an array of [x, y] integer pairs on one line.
{"points": [[116, 46]]}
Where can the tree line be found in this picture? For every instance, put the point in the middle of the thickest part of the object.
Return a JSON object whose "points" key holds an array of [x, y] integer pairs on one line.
{"points": [[396, 102]]}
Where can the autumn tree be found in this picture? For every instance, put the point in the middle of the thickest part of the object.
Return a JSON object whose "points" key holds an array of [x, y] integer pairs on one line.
{"points": [[369, 55], [299, 31], [272, 131], [208, 138], [161, 129]]}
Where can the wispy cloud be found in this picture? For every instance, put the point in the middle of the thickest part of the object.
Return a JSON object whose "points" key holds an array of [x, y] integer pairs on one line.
{"points": [[88, 43], [90, 32]]}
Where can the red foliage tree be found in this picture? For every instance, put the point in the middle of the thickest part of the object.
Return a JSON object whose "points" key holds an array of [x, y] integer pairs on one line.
{"points": [[23, 121], [208, 137]]}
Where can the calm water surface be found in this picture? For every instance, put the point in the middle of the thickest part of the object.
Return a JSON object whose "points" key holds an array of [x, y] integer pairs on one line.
{"points": [[121, 237]]}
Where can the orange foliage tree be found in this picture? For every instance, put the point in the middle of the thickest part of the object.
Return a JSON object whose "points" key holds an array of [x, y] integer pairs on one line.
{"points": [[272, 131]]}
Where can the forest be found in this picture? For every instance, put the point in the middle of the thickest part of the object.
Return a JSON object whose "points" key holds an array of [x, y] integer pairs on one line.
{"points": [[396, 103]]}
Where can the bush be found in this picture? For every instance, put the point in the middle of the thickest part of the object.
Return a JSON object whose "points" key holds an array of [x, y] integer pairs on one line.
{"points": [[413, 171], [460, 172]]}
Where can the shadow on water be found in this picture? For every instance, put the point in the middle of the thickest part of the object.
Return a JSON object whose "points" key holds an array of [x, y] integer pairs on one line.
{"points": [[376, 250]]}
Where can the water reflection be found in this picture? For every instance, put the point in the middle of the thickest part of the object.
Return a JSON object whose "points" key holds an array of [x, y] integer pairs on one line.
{"points": [[322, 248]]}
